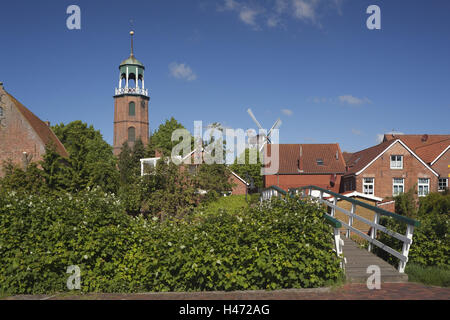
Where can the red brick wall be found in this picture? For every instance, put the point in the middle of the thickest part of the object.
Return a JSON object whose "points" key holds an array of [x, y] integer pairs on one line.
{"points": [[388, 206], [383, 174], [16, 135], [287, 182], [238, 186], [441, 166], [122, 121]]}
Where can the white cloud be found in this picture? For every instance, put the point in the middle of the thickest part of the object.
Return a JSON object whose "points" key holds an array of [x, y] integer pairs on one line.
{"points": [[281, 6], [247, 13], [231, 4], [380, 136], [181, 71], [248, 16], [273, 21], [351, 100], [275, 12], [287, 112], [305, 9]]}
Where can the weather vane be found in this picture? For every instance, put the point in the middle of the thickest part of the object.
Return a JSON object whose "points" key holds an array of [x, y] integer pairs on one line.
{"points": [[131, 34]]}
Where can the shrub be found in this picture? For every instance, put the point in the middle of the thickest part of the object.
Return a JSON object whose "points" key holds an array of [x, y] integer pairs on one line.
{"points": [[431, 242], [273, 247]]}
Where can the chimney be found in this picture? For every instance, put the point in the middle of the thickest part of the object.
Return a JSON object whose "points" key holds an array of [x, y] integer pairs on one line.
{"points": [[1, 85], [300, 159], [424, 138], [47, 123]]}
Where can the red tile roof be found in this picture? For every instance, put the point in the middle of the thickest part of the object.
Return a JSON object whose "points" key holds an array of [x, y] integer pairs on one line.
{"points": [[347, 156], [41, 128], [362, 158], [292, 163], [427, 147]]}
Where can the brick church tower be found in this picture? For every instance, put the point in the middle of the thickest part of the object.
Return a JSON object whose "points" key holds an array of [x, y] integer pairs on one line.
{"points": [[130, 104]]}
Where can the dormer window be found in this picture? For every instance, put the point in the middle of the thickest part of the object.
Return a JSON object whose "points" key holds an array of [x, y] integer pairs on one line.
{"points": [[319, 162], [1, 112], [396, 162]]}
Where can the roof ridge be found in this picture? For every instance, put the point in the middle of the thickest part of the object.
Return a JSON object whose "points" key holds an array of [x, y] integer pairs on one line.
{"points": [[388, 142], [430, 144]]}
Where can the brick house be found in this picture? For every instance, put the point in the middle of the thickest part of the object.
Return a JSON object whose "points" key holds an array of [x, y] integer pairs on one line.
{"points": [[23, 136], [387, 169], [301, 165], [239, 185], [432, 149]]}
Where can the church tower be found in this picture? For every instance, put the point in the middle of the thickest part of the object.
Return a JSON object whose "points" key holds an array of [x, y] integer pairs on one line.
{"points": [[130, 104]]}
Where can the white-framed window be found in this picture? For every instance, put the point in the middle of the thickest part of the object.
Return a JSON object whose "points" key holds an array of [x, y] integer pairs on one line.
{"points": [[423, 187], [443, 184], [396, 162], [398, 186], [369, 186]]}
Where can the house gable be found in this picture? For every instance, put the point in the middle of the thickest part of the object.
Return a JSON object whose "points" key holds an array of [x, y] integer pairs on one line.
{"points": [[389, 147], [23, 135]]}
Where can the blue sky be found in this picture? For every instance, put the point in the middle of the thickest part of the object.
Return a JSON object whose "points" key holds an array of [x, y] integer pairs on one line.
{"points": [[313, 63]]}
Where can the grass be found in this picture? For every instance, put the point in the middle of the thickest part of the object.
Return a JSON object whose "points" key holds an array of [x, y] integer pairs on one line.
{"points": [[435, 276], [233, 203]]}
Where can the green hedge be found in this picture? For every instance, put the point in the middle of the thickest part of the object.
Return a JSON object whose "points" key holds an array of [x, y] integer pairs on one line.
{"points": [[278, 246], [431, 240]]}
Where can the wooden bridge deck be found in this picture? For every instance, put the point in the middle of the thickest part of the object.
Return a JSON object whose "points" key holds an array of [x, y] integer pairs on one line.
{"points": [[359, 259]]}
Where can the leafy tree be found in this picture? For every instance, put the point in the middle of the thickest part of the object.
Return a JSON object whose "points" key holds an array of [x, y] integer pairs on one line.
{"points": [[131, 189], [405, 203], [55, 170], [435, 204], [253, 170], [213, 178], [125, 164], [30, 180], [169, 191], [161, 139], [91, 161], [137, 154]]}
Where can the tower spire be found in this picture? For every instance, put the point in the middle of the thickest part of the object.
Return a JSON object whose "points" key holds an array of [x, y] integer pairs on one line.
{"points": [[131, 34]]}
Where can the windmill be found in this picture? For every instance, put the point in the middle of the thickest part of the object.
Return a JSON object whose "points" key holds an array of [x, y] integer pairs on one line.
{"points": [[265, 137]]}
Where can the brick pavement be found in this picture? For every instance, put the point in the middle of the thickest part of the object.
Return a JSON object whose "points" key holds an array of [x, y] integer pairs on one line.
{"points": [[388, 291]]}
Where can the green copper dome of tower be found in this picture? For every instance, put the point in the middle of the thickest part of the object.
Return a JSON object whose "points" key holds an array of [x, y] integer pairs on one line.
{"points": [[131, 70]]}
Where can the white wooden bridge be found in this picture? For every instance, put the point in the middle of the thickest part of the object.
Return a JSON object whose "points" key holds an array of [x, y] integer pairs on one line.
{"points": [[356, 259]]}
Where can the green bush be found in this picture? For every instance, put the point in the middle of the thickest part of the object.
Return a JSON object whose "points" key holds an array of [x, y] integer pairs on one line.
{"points": [[431, 242], [277, 246]]}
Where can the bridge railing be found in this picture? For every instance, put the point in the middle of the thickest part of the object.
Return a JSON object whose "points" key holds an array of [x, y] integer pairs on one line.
{"points": [[275, 191], [272, 191], [375, 225]]}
